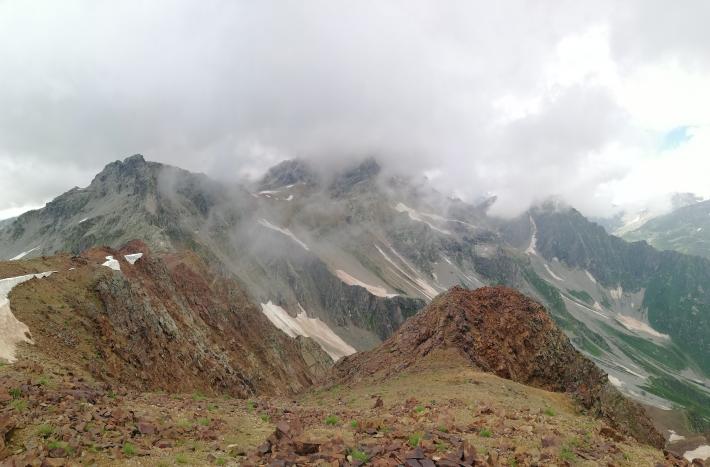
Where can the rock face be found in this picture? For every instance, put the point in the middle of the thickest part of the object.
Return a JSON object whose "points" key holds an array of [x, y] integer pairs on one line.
{"points": [[166, 322], [501, 331]]}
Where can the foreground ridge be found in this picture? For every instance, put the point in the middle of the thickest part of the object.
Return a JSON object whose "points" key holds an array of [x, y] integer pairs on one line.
{"points": [[501, 331]]}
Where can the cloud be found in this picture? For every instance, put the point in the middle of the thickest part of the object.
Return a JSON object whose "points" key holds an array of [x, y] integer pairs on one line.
{"points": [[524, 100]]}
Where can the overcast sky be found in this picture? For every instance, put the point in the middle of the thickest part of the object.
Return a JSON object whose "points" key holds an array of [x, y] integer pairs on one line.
{"points": [[601, 103]]}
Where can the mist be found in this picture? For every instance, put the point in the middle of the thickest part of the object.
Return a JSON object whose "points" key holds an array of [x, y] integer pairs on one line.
{"points": [[524, 101]]}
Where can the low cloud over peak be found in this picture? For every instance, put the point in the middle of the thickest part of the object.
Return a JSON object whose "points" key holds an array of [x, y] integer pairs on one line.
{"points": [[522, 100]]}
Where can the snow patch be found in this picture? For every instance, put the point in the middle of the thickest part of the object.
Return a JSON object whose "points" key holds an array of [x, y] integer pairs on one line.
{"points": [[617, 293], [290, 197], [373, 289], [615, 381], [12, 330], [416, 216], [112, 263], [589, 275], [419, 283], [302, 325], [287, 232], [83, 220], [132, 258], [551, 272], [23, 254], [632, 324], [701, 452], [674, 436], [532, 248]]}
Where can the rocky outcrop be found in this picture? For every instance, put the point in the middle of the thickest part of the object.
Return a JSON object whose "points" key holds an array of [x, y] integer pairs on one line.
{"points": [[501, 331], [166, 322]]}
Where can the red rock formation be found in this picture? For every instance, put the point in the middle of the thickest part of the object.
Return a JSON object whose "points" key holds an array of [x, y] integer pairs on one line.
{"points": [[501, 331]]}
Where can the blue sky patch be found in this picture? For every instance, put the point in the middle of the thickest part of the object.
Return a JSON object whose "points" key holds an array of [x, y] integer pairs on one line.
{"points": [[676, 137]]}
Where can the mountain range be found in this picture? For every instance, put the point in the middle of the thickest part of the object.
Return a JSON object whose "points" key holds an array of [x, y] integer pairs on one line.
{"points": [[255, 289]]}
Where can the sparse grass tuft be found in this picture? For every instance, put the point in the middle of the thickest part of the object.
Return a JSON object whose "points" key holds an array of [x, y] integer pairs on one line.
{"points": [[198, 396], [354, 424], [251, 406], [128, 449], [419, 409], [359, 455], [204, 421], [15, 393], [265, 418], [485, 433], [45, 430], [566, 453], [331, 420], [19, 405], [550, 412], [415, 439], [181, 459]]}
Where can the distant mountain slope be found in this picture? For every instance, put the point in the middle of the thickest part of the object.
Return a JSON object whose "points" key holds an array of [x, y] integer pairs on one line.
{"points": [[686, 230]]}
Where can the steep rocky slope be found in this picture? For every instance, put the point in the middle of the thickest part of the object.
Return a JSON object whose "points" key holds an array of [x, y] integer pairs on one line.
{"points": [[165, 322], [501, 331]]}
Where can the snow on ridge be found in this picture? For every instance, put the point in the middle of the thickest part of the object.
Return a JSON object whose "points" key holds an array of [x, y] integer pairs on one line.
{"points": [[133, 257], [675, 436], [589, 275], [416, 216], [112, 263], [83, 220], [263, 222], [23, 254], [373, 289], [632, 324], [302, 325], [12, 330], [290, 197]]}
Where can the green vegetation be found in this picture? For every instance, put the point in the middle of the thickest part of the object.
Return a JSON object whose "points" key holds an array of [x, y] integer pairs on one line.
{"points": [[550, 412], [181, 459], [19, 405], [667, 355], [251, 406], [359, 455], [415, 439], [45, 430], [696, 402], [354, 424], [566, 453], [419, 409], [15, 393], [128, 449], [485, 433], [581, 295], [331, 420], [203, 421], [198, 396]]}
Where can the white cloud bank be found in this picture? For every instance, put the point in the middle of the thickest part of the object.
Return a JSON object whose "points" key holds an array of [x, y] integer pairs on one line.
{"points": [[522, 99]]}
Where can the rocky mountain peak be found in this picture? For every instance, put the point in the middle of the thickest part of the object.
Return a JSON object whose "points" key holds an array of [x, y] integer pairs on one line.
{"points": [[288, 172], [356, 177], [501, 331]]}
